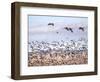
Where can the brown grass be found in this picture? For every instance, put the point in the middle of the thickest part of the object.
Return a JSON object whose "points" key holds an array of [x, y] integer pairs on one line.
{"points": [[57, 59]]}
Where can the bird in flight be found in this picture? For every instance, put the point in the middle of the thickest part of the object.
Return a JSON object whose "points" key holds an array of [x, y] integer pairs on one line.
{"points": [[81, 28], [69, 29], [52, 24]]}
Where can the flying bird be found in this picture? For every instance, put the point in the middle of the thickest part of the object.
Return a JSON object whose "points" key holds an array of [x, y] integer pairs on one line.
{"points": [[52, 24], [81, 28], [69, 29], [57, 32]]}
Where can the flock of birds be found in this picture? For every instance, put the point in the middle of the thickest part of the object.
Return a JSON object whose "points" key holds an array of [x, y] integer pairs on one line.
{"points": [[68, 28], [56, 46], [48, 45]]}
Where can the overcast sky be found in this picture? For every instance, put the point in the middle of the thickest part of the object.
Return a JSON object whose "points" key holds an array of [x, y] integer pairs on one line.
{"points": [[41, 31]]}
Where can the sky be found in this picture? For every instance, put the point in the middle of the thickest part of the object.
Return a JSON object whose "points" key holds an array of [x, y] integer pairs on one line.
{"points": [[38, 28]]}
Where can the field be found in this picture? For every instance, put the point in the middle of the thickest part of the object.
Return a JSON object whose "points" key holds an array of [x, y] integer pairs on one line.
{"points": [[57, 59], [57, 40]]}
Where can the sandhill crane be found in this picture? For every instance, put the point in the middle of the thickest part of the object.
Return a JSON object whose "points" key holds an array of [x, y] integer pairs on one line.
{"points": [[52, 24], [69, 29], [81, 28], [66, 28], [57, 32]]}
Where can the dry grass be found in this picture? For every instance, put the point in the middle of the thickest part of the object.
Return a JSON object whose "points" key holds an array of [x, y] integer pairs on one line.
{"points": [[57, 59]]}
